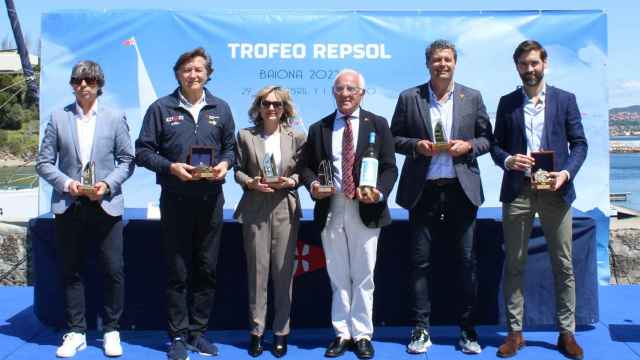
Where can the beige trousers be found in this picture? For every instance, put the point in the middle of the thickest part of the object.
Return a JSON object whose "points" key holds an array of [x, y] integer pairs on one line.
{"points": [[270, 249]]}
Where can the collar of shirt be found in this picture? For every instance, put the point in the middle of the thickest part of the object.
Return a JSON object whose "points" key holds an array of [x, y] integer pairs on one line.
{"points": [[193, 109], [434, 99], [184, 102], [541, 96], [355, 115], [92, 112]]}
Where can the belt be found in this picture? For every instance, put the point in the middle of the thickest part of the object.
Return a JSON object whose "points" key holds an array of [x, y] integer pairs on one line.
{"points": [[442, 182]]}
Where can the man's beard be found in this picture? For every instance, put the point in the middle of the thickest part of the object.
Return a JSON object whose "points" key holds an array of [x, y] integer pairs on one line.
{"points": [[532, 79]]}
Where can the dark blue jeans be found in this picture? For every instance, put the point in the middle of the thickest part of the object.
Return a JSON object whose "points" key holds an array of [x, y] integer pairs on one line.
{"points": [[443, 214]]}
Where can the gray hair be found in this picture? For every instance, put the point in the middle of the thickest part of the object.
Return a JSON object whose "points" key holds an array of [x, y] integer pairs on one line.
{"points": [[361, 83], [88, 69], [440, 44]]}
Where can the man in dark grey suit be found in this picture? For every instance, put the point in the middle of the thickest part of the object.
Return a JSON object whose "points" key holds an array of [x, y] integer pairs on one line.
{"points": [[441, 127], [85, 133]]}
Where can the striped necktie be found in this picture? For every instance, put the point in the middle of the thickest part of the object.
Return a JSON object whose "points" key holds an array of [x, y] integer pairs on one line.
{"points": [[348, 158]]}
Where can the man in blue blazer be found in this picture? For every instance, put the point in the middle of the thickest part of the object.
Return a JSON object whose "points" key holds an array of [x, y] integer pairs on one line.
{"points": [[85, 133], [440, 183], [530, 119]]}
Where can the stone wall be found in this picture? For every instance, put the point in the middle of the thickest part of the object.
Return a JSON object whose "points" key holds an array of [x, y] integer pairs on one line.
{"points": [[624, 251], [14, 255]]}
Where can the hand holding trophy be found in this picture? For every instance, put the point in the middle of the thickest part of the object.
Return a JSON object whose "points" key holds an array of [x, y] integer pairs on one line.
{"points": [[201, 158], [88, 180], [541, 170], [270, 170], [323, 187], [441, 143]]}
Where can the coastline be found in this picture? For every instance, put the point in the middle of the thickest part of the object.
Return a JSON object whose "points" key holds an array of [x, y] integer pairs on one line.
{"points": [[622, 149], [12, 162]]}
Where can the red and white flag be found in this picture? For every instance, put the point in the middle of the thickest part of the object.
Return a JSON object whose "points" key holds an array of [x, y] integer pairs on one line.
{"points": [[129, 42]]}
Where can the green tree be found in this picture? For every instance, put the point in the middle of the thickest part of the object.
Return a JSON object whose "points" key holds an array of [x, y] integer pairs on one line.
{"points": [[18, 120]]}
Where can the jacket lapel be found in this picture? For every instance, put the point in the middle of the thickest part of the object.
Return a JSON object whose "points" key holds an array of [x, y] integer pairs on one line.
{"points": [[518, 122], [258, 146], [423, 100], [458, 102], [73, 128], [286, 149], [327, 130], [99, 128], [364, 129], [549, 116]]}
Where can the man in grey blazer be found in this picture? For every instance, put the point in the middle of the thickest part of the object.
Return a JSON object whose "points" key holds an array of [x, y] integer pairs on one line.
{"points": [[87, 134], [441, 127]]}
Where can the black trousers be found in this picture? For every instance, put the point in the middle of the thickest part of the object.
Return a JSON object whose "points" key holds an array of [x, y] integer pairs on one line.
{"points": [[81, 231], [191, 228], [443, 214]]}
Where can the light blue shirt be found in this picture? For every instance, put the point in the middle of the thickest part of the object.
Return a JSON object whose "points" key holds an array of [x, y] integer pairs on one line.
{"points": [[534, 120], [441, 165]]}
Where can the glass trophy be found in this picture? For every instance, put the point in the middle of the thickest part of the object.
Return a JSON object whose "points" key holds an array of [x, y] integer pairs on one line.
{"points": [[440, 143], [540, 179], [88, 179], [325, 177], [201, 158], [270, 170]]}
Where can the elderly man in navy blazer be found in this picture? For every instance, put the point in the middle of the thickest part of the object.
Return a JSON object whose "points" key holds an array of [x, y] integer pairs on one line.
{"points": [[533, 118], [84, 133], [440, 183]]}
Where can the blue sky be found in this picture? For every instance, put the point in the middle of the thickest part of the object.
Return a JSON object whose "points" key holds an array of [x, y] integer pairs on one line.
{"points": [[624, 47]]}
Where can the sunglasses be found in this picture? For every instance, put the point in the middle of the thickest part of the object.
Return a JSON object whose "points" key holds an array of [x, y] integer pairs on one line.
{"points": [[267, 104], [88, 81]]}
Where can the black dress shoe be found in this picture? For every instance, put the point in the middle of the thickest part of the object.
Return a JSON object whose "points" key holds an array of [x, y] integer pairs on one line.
{"points": [[279, 345], [255, 345], [364, 349], [337, 347]]}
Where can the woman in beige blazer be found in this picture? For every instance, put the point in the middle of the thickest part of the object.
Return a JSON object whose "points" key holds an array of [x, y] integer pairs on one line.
{"points": [[269, 211]]}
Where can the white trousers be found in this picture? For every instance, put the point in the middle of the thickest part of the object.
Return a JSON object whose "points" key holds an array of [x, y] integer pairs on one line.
{"points": [[350, 249]]}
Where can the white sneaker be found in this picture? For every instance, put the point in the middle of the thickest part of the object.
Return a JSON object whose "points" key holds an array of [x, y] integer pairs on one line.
{"points": [[420, 341], [111, 344], [71, 343]]}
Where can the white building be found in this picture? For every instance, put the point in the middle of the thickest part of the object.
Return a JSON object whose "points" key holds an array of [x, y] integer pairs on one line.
{"points": [[10, 61]]}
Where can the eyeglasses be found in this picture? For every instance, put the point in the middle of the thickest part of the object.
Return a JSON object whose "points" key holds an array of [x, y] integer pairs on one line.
{"points": [[267, 104], [88, 81], [351, 90]]}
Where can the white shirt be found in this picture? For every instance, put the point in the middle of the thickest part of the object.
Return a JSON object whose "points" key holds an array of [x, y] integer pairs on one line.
{"points": [[534, 120], [86, 127], [336, 144], [193, 109], [441, 165], [272, 146]]}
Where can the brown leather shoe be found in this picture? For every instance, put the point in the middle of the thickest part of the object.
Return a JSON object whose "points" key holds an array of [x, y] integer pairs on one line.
{"points": [[568, 346], [513, 343]]}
